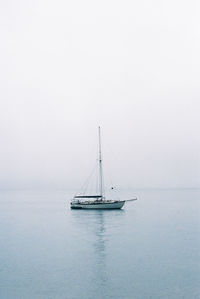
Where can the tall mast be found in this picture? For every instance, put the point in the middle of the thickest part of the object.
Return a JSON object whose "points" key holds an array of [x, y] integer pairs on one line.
{"points": [[100, 166]]}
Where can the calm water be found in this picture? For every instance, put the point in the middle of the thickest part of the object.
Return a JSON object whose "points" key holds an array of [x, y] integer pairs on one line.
{"points": [[150, 249]]}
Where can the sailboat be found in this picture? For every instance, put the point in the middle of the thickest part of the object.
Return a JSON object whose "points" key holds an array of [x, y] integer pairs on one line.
{"points": [[97, 201]]}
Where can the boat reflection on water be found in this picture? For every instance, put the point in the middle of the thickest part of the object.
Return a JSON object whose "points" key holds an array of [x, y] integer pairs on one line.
{"points": [[99, 225]]}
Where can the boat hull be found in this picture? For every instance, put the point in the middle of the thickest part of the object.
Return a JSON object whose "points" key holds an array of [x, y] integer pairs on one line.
{"points": [[98, 206]]}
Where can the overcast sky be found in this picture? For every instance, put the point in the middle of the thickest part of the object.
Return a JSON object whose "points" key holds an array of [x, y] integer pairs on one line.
{"points": [[132, 67]]}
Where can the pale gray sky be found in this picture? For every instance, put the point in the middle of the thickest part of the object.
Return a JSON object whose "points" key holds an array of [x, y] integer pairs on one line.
{"points": [[131, 66]]}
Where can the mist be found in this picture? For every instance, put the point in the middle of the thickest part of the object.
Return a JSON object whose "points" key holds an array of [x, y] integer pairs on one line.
{"points": [[130, 67]]}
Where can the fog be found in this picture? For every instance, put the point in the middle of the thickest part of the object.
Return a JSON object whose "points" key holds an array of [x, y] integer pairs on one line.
{"points": [[132, 67]]}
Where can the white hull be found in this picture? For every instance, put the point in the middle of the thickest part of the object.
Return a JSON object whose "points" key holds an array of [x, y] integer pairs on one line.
{"points": [[99, 206]]}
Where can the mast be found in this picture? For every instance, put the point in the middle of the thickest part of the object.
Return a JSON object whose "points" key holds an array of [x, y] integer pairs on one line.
{"points": [[100, 166]]}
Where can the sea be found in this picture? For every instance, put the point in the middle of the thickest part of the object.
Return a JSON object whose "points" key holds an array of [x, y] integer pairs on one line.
{"points": [[148, 250]]}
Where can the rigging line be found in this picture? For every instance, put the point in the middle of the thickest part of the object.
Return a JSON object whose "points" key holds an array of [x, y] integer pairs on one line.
{"points": [[107, 172], [103, 185], [85, 185], [97, 181], [88, 183]]}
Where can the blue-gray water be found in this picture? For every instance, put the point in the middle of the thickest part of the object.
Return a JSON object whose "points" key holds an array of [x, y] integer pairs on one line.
{"points": [[150, 249]]}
